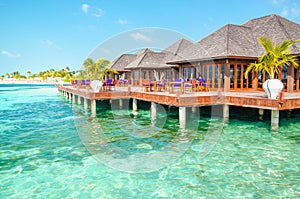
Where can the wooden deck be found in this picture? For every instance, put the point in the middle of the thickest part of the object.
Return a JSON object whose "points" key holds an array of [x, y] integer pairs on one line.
{"points": [[252, 99]]}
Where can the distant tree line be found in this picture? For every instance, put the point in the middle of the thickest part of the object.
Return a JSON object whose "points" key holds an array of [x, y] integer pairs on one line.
{"points": [[91, 70]]}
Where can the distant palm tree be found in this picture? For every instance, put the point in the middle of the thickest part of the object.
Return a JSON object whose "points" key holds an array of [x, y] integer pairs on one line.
{"points": [[275, 57], [29, 74]]}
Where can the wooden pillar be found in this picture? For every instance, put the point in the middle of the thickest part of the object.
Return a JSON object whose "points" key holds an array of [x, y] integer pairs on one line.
{"points": [[254, 80], [121, 102], [227, 77], [261, 114], [290, 80], [93, 107], [274, 119], [67, 96], [79, 99], [194, 109], [74, 98], [225, 111], [134, 104], [153, 110], [182, 117], [85, 102]]}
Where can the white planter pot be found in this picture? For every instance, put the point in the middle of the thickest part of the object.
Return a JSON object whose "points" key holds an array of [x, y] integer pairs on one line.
{"points": [[273, 87]]}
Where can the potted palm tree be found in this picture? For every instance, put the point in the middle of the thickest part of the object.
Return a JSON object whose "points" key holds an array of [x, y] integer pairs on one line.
{"points": [[271, 63]]}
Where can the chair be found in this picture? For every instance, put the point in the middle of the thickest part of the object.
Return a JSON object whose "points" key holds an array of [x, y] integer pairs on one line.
{"points": [[147, 85], [109, 84]]}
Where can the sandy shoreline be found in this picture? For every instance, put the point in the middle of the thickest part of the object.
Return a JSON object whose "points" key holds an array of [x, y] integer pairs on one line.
{"points": [[30, 82]]}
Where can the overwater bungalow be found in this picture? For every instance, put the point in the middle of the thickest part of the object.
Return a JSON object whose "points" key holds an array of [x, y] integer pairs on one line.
{"points": [[223, 56], [145, 63], [221, 59]]}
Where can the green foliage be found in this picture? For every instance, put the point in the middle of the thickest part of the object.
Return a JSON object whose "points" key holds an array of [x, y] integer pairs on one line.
{"points": [[96, 70], [91, 70], [275, 57]]}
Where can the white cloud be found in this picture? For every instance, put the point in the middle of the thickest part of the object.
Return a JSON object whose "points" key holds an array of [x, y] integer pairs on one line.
{"points": [[9, 54], [98, 12], [122, 22], [140, 37], [295, 11], [47, 42], [289, 8], [284, 12], [85, 8], [278, 2]]}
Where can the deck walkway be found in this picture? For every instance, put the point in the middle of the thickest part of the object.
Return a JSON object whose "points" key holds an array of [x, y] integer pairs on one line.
{"points": [[254, 99]]}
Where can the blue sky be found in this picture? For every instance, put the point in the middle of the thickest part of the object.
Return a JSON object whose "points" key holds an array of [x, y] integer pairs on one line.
{"points": [[38, 35]]}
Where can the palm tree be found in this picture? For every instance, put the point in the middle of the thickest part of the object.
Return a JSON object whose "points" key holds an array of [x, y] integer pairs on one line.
{"points": [[108, 71], [29, 74], [275, 57]]}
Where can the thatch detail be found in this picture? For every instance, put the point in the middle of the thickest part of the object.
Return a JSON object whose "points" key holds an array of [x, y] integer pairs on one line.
{"points": [[121, 62], [241, 40]]}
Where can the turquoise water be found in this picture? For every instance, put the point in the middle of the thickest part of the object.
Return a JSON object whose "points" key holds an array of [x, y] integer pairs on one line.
{"points": [[50, 148]]}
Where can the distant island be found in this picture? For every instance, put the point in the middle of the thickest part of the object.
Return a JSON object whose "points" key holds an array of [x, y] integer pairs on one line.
{"points": [[91, 70]]}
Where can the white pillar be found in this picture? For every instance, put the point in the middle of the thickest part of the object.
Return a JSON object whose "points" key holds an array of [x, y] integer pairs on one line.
{"points": [[194, 109], [85, 101], [74, 98], [274, 119], [79, 99], [153, 110], [121, 102], [182, 117], [134, 104], [261, 114], [225, 111], [93, 107]]}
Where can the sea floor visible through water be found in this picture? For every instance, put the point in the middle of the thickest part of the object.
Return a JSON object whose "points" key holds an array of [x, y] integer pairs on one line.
{"points": [[51, 148]]}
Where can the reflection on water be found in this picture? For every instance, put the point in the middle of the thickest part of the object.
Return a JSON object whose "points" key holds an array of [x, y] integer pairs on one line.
{"points": [[42, 156]]}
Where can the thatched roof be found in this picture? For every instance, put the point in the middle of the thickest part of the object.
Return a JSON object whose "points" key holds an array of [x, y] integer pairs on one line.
{"points": [[149, 60], [241, 40], [178, 46], [121, 62]]}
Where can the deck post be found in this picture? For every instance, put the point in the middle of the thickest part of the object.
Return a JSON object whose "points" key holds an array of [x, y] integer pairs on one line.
{"points": [[74, 99], [79, 99], [274, 119], [67, 95], [260, 114], [227, 77], [93, 107], [194, 109], [153, 110], [85, 102], [182, 117], [134, 104], [121, 102], [225, 111]]}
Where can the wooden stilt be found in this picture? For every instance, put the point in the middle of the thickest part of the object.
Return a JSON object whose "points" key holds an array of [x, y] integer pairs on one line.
{"points": [[261, 114], [134, 104], [274, 119], [79, 99], [93, 107], [153, 110], [226, 111], [182, 117], [85, 101]]}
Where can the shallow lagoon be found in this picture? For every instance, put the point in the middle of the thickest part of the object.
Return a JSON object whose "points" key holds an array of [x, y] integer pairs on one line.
{"points": [[53, 149]]}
